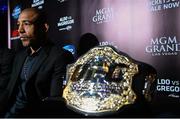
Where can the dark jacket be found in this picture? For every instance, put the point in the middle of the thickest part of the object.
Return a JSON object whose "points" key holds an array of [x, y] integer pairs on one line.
{"points": [[45, 81], [6, 60]]}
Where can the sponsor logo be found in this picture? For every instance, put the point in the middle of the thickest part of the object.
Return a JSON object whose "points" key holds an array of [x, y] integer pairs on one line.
{"points": [[166, 45], [37, 3], [3, 8], [16, 12], [157, 5], [65, 23], [15, 33], [103, 15], [61, 1], [70, 48]]}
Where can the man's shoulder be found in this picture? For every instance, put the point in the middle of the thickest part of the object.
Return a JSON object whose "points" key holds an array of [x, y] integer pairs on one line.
{"points": [[60, 52], [55, 50]]}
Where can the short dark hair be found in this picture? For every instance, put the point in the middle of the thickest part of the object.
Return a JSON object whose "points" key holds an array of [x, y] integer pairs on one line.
{"points": [[41, 18], [86, 42]]}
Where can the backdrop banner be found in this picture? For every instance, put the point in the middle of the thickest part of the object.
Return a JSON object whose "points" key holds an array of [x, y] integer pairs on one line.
{"points": [[147, 30]]}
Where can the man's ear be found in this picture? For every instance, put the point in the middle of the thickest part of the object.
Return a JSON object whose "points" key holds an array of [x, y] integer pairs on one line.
{"points": [[46, 26]]}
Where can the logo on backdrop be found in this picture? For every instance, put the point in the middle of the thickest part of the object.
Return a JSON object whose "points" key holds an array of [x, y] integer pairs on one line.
{"points": [[157, 5], [37, 3], [16, 12], [65, 23], [107, 43], [70, 48], [62, 1], [14, 34], [103, 15], [166, 45], [169, 86]]}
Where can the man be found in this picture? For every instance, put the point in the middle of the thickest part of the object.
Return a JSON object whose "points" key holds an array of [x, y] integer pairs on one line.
{"points": [[6, 60], [38, 71], [86, 42]]}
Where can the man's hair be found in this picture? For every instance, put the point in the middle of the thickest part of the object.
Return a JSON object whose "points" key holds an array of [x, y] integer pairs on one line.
{"points": [[41, 15]]}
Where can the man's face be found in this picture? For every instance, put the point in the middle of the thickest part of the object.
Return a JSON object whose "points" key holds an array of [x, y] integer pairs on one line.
{"points": [[27, 28]]}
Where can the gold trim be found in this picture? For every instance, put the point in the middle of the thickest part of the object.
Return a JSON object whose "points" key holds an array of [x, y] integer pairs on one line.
{"points": [[111, 102]]}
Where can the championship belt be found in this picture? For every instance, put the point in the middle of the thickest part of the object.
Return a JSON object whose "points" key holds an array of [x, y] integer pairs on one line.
{"points": [[100, 82]]}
